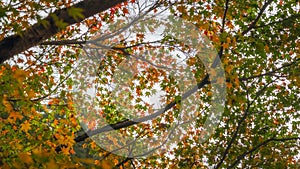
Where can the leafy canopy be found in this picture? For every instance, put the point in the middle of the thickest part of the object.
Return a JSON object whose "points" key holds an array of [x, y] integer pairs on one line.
{"points": [[258, 45]]}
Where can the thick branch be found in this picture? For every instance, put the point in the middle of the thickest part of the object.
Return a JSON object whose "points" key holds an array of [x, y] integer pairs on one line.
{"points": [[37, 33]]}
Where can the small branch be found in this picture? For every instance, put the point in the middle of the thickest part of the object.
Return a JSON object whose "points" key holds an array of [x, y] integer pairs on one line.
{"points": [[279, 22], [271, 72], [235, 134], [218, 58], [131, 162], [260, 145], [64, 42], [122, 162], [252, 25], [224, 16], [51, 92], [166, 139], [131, 143]]}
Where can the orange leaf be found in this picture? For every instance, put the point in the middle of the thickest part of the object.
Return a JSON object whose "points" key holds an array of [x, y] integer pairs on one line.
{"points": [[65, 150], [15, 115], [25, 126]]}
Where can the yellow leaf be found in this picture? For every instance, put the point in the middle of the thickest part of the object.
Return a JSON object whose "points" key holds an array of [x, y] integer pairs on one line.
{"points": [[25, 126], [52, 164], [6, 103], [15, 127], [191, 61], [93, 145], [225, 45], [228, 68], [226, 61], [237, 81], [70, 140], [26, 158], [85, 160], [20, 75], [181, 9], [30, 94], [267, 48], [106, 164], [2, 70]]}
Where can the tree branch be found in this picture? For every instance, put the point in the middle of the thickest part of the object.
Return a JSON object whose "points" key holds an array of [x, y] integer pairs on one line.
{"points": [[123, 162], [271, 72], [65, 42], [127, 123], [37, 33], [260, 145], [224, 15], [252, 25], [292, 17], [235, 134], [218, 58]]}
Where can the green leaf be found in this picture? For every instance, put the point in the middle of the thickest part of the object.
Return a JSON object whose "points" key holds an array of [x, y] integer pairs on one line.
{"points": [[59, 22], [76, 13]]}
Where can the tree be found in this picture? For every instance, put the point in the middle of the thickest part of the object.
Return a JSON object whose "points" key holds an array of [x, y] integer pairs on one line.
{"points": [[54, 53]]}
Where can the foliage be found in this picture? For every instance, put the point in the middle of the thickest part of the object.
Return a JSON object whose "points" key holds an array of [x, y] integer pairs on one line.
{"points": [[258, 44]]}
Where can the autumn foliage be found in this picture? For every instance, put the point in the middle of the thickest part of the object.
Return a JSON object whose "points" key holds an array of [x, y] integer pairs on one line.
{"points": [[54, 53]]}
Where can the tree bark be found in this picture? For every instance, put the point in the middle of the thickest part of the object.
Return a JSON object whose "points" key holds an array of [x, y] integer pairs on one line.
{"points": [[37, 33]]}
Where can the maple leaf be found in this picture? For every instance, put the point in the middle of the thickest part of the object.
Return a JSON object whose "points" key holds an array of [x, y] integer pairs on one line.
{"points": [[15, 115], [229, 85], [52, 164], [259, 44], [65, 150], [25, 126], [20, 75], [26, 158]]}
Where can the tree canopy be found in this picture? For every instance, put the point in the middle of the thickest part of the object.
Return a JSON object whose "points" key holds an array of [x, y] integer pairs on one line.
{"points": [[150, 84]]}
